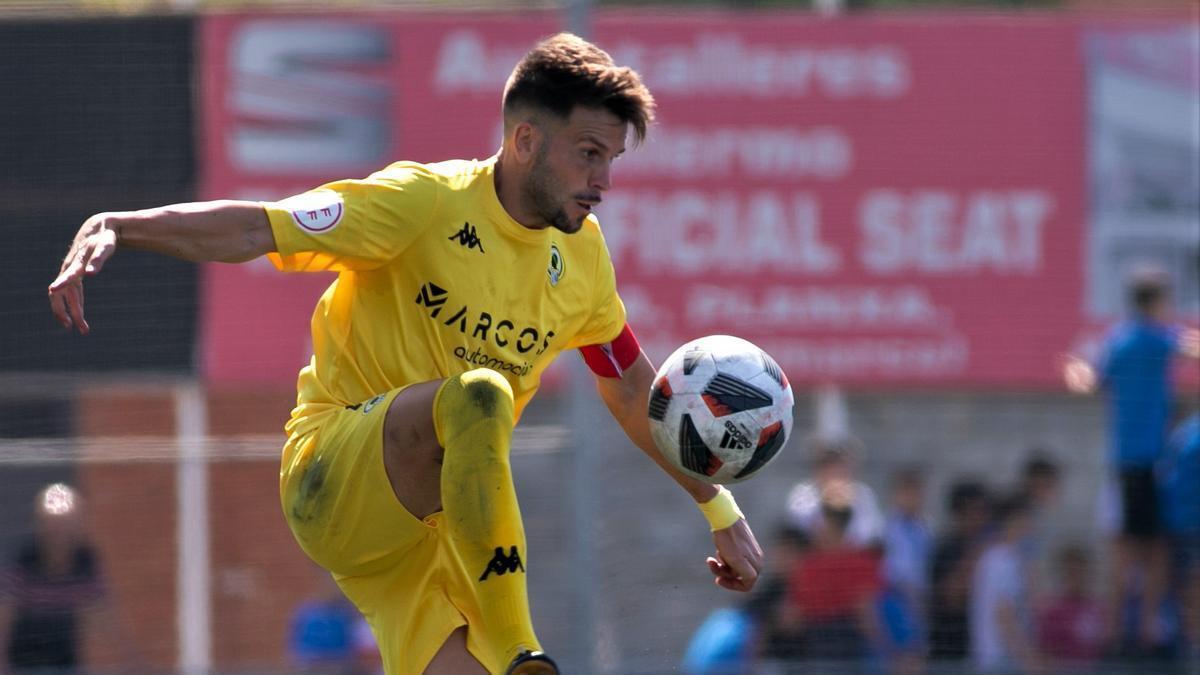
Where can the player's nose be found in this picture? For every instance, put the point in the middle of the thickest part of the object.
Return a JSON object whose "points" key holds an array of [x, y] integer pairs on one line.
{"points": [[601, 178]]}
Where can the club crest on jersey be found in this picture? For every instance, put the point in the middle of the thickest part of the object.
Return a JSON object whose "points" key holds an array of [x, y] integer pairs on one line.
{"points": [[317, 212], [557, 268]]}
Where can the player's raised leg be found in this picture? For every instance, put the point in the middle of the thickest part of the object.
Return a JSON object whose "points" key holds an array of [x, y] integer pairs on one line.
{"points": [[465, 471]]}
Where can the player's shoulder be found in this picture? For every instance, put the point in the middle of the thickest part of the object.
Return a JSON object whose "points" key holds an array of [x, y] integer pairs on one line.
{"points": [[454, 174]]}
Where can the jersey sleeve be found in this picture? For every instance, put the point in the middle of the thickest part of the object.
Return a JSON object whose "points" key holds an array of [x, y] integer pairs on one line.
{"points": [[352, 224], [607, 318]]}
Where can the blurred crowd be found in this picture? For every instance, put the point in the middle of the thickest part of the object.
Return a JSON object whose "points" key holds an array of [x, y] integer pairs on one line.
{"points": [[871, 588], [851, 583]]}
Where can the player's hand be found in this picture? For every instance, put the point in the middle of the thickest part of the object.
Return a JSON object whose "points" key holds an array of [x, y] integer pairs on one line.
{"points": [[93, 245], [1079, 375], [739, 558]]}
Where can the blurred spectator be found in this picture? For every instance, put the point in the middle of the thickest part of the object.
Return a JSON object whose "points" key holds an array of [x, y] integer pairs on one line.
{"points": [[776, 639], [51, 590], [908, 546], [733, 640], [835, 461], [1181, 508], [1071, 626], [722, 645], [1002, 628], [1134, 370], [1039, 485], [834, 590], [954, 558], [326, 636]]}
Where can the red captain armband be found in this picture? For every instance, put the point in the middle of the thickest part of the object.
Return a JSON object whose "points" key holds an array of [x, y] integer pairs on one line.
{"points": [[612, 358]]}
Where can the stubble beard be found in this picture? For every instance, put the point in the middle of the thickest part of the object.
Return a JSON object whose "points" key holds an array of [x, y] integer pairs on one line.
{"points": [[540, 188]]}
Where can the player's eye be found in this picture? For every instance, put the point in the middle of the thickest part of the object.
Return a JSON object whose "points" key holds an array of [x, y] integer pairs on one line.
{"points": [[591, 154]]}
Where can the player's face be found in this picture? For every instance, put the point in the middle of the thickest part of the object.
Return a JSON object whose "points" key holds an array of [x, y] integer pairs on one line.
{"points": [[573, 166]]}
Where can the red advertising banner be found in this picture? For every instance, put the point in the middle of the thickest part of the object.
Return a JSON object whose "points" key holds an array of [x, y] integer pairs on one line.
{"points": [[878, 202]]}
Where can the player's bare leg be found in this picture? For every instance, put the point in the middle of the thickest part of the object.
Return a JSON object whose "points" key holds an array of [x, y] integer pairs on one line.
{"points": [[446, 447], [454, 659]]}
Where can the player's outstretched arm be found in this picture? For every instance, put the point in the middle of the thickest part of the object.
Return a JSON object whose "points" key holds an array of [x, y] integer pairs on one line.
{"points": [[738, 558], [219, 231]]}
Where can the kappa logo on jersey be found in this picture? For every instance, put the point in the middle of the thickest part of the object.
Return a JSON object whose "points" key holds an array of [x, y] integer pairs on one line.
{"points": [[501, 564], [317, 212], [482, 325], [557, 267], [734, 438], [467, 237]]}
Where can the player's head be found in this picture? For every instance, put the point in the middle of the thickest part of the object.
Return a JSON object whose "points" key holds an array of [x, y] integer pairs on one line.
{"points": [[1149, 290], [567, 110]]}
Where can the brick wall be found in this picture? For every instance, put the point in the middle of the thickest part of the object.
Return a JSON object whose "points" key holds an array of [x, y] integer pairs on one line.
{"points": [[127, 474]]}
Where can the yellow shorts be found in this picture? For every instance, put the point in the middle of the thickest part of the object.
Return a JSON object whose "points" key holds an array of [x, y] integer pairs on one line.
{"points": [[402, 573]]}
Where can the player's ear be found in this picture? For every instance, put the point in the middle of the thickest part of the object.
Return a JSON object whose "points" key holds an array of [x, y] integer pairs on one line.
{"points": [[526, 139]]}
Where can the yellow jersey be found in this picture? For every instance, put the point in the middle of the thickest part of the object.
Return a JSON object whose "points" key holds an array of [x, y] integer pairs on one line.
{"points": [[434, 279]]}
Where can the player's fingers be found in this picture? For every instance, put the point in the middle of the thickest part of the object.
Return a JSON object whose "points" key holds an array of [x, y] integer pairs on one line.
{"points": [[727, 576], [59, 308], [756, 562], [744, 570], [733, 584], [74, 300], [71, 273]]}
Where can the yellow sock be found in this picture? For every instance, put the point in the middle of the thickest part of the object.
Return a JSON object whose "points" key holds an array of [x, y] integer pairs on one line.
{"points": [[473, 416]]}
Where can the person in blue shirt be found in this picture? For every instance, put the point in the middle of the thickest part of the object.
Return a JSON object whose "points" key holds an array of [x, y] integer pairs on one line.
{"points": [[1134, 373], [907, 558], [1180, 484]]}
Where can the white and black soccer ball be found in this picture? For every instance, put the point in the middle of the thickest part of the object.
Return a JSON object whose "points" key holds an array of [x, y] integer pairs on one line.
{"points": [[720, 409]]}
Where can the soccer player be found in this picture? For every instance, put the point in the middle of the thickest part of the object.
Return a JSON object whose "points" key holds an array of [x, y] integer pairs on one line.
{"points": [[458, 283]]}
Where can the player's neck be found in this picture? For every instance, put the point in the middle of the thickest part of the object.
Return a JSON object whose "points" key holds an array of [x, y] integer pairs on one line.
{"points": [[508, 190]]}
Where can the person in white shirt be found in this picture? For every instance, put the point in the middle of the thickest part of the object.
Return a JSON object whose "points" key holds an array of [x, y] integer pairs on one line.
{"points": [[834, 461], [1001, 621]]}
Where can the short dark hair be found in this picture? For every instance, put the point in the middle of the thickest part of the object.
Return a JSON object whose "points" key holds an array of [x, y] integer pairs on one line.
{"points": [[564, 71], [1146, 289], [1012, 506], [790, 535], [963, 493], [1040, 465]]}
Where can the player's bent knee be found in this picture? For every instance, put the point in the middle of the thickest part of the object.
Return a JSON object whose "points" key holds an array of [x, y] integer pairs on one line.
{"points": [[470, 397]]}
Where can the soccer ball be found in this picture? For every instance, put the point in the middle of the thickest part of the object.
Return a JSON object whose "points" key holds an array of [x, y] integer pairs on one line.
{"points": [[720, 409]]}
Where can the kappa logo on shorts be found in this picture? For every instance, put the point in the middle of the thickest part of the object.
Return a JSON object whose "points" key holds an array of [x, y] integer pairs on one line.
{"points": [[503, 564]]}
